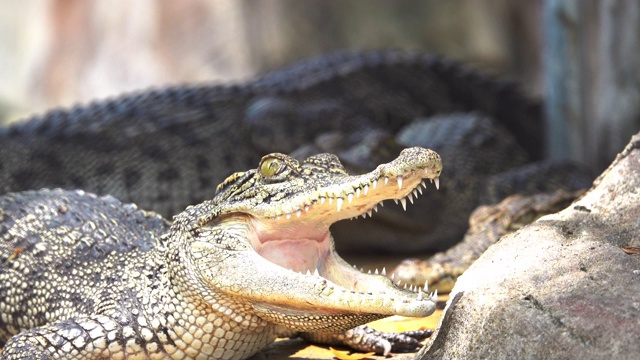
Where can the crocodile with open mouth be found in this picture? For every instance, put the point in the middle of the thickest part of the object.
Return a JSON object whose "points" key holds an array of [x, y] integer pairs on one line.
{"points": [[83, 276]]}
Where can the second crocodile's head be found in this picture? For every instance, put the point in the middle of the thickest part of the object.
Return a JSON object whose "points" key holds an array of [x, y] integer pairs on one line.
{"points": [[265, 239]]}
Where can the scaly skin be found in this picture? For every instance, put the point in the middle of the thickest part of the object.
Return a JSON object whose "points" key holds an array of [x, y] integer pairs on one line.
{"points": [[84, 277]]}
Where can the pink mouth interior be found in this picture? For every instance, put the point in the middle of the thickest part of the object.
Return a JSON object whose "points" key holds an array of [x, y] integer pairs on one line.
{"points": [[298, 255], [296, 246]]}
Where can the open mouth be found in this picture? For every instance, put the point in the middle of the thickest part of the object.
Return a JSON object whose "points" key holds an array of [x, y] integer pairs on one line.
{"points": [[278, 219], [300, 240]]}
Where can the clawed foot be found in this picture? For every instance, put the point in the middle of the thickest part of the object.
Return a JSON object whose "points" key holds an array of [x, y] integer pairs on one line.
{"points": [[366, 339]]}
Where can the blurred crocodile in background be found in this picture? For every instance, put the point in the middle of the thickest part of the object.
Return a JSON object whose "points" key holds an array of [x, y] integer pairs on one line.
{"points": [[164, 149]]}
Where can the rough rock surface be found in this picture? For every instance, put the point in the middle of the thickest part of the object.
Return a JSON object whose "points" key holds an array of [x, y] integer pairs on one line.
{"points": [[564, 287]]}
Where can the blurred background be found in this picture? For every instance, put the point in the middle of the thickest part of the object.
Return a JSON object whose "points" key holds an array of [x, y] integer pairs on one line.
{"points": [[581, 56]]}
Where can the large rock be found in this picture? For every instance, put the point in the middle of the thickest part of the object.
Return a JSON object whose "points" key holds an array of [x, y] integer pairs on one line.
{"points": [[560, 288]]}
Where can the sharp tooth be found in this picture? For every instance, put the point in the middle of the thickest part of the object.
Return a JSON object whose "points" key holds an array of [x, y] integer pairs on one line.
{"points": [[405, 287], [370, 213], [377, 272], [350, 198], [306, 208], [384, 271], [393, 276], [278, 217], [398, 283], [426, 285], [434, 296], [431, 180], [419, 190], [361, 270], [288, 216], [322, 199], [437, 181], [375, 183], [399, 182], [375, 208], [339, 202], [330, 200], [366, 189], [316, 273], [369, 272], [386, 180], [404, 203], [354, 266], [358, 192], [415, 193], [381, 203], [419, 295], [298, 213], [410, 196], [308, 272], [395, 201]]}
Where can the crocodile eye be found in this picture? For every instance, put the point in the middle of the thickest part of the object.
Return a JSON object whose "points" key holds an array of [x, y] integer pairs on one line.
{"points": [[271, 167]]}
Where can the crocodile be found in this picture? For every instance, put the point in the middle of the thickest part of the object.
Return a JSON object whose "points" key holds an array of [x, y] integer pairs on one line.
{"points": [[88, 277], [164, 149], [487, 224]]}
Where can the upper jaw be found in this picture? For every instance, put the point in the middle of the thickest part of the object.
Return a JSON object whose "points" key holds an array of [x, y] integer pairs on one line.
{"points": [[351, 196]]}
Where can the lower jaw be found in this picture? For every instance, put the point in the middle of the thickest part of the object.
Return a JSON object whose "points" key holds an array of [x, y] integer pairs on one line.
{"points": [[313, 319]]}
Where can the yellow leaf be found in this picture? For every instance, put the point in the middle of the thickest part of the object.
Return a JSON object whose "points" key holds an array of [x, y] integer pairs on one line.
{"points": [[344, 355]]}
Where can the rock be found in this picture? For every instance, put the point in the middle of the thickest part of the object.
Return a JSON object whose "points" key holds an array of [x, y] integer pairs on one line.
{"points": [[565, 287]]}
